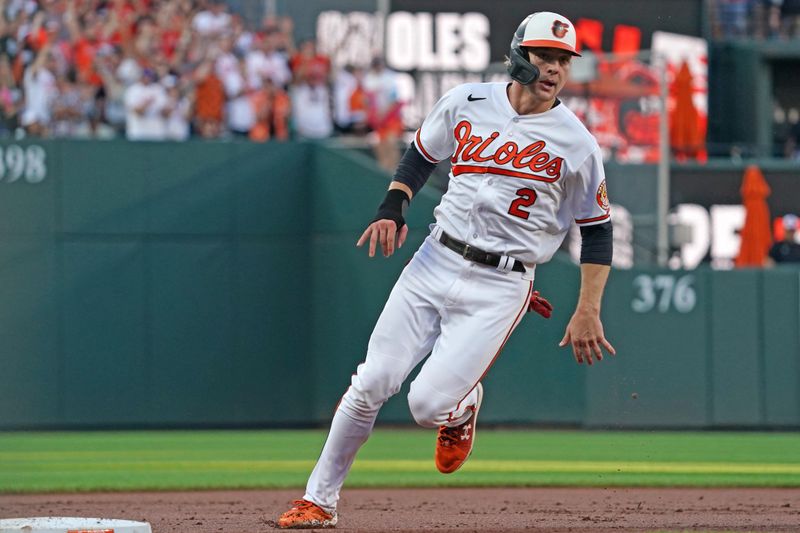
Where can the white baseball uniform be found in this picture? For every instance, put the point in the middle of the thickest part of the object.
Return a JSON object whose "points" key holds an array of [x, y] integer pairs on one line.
{"points": [[516, 184]]}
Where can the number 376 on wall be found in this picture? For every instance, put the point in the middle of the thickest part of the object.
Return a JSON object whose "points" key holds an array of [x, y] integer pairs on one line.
{"points": [[663, 292]]}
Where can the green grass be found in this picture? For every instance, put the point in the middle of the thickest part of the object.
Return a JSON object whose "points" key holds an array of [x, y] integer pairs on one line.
{"points": [[89, 461]]}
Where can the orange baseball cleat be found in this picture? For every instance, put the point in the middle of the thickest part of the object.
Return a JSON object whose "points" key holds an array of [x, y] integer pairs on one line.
{"points": [[306, 515], [454, 444]]}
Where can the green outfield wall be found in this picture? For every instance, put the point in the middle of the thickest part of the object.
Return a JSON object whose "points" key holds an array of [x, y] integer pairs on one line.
{"points": [[218, 284]]}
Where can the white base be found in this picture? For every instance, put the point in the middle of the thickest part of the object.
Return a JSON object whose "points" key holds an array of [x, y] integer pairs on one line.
{"points": [[56, 524]]}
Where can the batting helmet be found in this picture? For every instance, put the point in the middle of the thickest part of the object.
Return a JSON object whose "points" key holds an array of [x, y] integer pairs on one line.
{"points": [[543, 29]]}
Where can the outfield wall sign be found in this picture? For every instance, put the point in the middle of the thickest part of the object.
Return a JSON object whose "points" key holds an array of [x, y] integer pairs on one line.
{"points": [[24, 164]]}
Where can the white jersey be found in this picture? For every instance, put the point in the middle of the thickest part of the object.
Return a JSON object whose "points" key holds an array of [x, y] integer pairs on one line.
{"points": [[517, 184], [517, 181]]}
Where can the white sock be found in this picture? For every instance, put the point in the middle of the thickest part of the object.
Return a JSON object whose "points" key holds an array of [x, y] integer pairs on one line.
{"points": [[346, 436]]}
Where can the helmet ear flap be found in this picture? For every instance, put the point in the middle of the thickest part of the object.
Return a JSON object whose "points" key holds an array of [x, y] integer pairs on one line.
{"points": [[520, 69]]}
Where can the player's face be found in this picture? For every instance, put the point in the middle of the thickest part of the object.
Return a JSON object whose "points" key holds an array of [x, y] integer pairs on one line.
{"points": [[554, 66]]}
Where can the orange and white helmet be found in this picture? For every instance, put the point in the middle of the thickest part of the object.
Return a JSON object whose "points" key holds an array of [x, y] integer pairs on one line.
{"points": [[543, 29], [550, 30]]}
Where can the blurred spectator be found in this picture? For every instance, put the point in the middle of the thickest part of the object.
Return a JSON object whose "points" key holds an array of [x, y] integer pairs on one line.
{"points": [[212, 21], [110, 98], [383, 113], [272, 109], [733, 17], [764, 19], [87, 33], [264, 61], [145, 106], [178, 111], [172, 25], [279, 31], [239, 111], [792, 145], [146, 41], [227, 67], [17, 8], [209, 102], [790, 18], [99, 123], [10, 98], [311, 106], [772, 19], [72, 107], [39, 86], [306, 60], [769, 15], [787, 250], [244, 38], [91, 68], [350, 100], [129, 71]]}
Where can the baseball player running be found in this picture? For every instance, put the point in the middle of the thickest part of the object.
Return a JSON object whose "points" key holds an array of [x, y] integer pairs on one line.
{"points": [[523, 169]]}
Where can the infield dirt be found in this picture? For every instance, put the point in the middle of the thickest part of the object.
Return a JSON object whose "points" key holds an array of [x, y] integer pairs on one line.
{"points": [[462, 510]]}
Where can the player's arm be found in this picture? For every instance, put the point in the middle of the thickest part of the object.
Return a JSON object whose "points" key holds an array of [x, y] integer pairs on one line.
{"points": [[389, 223], [585, 330]]}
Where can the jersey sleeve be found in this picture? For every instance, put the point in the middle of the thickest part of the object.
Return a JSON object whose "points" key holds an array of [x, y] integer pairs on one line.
{"points": [[590, 203], [434, 139]]}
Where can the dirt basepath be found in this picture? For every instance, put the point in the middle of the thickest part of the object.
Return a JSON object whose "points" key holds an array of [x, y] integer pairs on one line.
{"points": [[441, 510]]}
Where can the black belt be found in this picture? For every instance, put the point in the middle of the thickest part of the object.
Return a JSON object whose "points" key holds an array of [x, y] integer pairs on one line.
{"points": [[475, 254]]}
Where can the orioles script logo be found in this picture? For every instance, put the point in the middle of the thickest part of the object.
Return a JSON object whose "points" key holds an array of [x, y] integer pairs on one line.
{"points": [[531, 158]]}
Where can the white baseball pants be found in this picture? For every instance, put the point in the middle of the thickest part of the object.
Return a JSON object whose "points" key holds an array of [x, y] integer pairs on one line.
{"points": [[460, 312]]}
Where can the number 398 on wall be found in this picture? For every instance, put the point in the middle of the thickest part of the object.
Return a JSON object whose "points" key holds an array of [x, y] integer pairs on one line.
{"points": [[663, 292], [26, 163]]}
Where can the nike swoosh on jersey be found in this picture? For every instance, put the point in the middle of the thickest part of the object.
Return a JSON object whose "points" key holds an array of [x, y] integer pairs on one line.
{"points": [[473, 99]]}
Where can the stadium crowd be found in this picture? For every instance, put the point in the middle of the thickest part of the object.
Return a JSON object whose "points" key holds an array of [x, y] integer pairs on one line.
{"points": [[758, 19], [171, 69]]}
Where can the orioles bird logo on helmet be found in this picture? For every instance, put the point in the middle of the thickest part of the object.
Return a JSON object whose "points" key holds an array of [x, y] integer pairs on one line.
{"points": [[560, 29]]}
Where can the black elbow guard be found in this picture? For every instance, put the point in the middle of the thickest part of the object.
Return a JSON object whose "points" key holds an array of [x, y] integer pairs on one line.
{"points": [[597, 244], [413, 170]]}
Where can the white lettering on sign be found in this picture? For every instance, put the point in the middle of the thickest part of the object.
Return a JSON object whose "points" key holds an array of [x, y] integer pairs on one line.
{"points": [[352, 38], [398, 41], [414, 41], [714, 232], [726, 223], [663, 292], [26, 163], [440, 41]]}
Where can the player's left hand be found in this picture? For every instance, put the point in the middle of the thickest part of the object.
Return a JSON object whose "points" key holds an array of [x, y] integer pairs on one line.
{"points": [[585, 333], [384, 231], [540, 305]]}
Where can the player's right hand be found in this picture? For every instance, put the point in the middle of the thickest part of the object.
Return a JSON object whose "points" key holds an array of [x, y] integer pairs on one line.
{"points": [[385, 232], [585, 334]]}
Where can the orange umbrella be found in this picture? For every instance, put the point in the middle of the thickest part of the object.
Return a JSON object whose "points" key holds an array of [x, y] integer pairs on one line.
{"points": [[756, 235], [684, 122]]}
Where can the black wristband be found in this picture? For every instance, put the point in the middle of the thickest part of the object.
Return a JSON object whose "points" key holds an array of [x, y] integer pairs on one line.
{"points": [[394, 206]]}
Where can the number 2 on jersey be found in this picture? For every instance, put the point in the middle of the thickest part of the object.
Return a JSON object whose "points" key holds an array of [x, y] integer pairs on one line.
{"points": [[525, 198]]}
